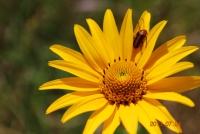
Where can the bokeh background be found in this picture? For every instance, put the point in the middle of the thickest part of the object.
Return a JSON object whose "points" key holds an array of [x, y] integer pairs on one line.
{"points": [[29, 27]]}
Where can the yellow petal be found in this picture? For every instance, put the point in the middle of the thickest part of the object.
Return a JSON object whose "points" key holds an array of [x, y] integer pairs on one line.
{"points": [[71, 83], [143, 24], [111, 32], [98, 117], [161, 116], [111, 123], [162, 108], [175, 84], [151, 40], [129, 118], [145, 118], [80, 71], [171, 58], [101, 44], [170, 96], [87, 46], [89, 103], [68, 54], [164, 49], [69, 99], [126, 36], [157, 75]]}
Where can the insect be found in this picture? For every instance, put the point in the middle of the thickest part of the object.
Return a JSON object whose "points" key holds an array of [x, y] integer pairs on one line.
{"points": [[140, 38]]}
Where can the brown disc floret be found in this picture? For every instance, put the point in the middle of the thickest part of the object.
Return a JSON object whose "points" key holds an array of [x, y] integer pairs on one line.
{"points": [[123, 83]]}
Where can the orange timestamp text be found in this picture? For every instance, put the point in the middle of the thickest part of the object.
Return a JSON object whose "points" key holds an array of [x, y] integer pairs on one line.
{"points": [[167, 123]]}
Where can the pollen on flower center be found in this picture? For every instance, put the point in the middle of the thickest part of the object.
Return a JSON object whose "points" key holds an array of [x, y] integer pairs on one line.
{"points": [[123, 83]]}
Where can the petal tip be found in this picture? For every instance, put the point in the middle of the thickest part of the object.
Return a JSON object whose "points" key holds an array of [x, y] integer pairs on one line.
{"points": [[195, 48], [130, 10], [47, 112], [40, 88], [192, 104], [146, 11], [184, 36], [88, 19], [53, 46], [75, 26], [165, 21], [63, 120], [108, 10]]}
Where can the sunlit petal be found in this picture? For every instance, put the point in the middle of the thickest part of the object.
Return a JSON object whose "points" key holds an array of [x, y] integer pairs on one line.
{"points": [[143, 24], [111, 32], [89, 103], [161, 116], [101, 43], [111, 123], [126, 36], [69, 99], [71, 83], [87, 46], [151, 40], [158, 105], [78, 70], [170, 96], [177, 84], [98, 117], [157, 75], [164, 49], [129, 118], [145, 118], [171, 58]]}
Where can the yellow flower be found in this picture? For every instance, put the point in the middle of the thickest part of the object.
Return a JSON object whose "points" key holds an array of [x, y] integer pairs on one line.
{"points": [[120, 83]]}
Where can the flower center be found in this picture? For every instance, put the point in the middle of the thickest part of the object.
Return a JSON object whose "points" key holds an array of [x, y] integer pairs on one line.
{"points": [[123, 83]]}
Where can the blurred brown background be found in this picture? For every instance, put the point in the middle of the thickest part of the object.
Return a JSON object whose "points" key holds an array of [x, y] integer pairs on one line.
{"points": [[29, 27]]}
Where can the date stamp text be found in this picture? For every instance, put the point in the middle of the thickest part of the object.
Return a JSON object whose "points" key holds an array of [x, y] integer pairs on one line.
{"points": [[167, 123]]}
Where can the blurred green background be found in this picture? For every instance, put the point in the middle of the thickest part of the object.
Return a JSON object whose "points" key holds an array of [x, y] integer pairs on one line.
{"points": [[29, 27]]}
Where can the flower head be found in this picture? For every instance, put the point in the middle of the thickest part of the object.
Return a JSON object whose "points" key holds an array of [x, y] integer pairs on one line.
{"points": [[121, 82]]}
